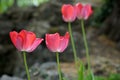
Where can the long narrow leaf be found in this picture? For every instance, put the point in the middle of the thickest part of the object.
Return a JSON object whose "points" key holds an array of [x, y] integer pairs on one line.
{"points": [[81, 72]]}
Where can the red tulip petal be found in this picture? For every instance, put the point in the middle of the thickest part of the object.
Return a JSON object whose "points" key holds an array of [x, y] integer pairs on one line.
{"points": [[35, 44], [79, 7], [25, 40], [63, 42], [68, 12], [19, 43], [89, 9], [28, 38], [22, 33], [13, 36], [86, 11], [52, 41]]}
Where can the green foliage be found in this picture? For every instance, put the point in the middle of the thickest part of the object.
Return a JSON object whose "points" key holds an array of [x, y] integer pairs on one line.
{"points": [[114, 77], [111, 77], [100, 78], [90, 76], [5, 4], [23, 3], [10, 2], [81, 72]]}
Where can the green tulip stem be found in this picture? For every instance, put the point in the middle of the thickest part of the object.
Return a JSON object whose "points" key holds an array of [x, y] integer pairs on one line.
{"points": [[26, 66], [86, 46], [73, 44], [58, 65]]}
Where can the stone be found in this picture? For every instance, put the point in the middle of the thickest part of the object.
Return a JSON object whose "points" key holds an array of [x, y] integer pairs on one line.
{"points": [[45, 71], [5, 77], [49, 71]]}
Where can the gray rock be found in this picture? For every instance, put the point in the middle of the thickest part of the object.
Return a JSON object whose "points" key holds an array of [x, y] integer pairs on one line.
{"points": [[5, 77], [46, 71], [48, 66], [49, 71]]}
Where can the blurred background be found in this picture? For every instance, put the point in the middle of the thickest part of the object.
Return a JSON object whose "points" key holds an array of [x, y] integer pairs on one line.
{"points": [[44, 16]]}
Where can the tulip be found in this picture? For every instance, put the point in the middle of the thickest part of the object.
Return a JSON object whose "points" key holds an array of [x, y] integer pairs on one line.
{"points": [[83, 12], [25, 40], [68, 13], [57, 43]]}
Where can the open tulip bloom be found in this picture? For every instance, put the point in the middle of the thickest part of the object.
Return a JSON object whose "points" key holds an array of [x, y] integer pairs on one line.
{"points": [[57, 43], [25, 41]]}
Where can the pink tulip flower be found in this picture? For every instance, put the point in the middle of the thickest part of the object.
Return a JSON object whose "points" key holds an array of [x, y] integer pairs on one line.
{"points": [[25, 40], [57, 43], [83, 12], [68, 13]]}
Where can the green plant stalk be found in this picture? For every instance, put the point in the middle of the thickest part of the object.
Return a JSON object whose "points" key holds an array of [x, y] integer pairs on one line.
{"points": [[86, 46], [73, 44], [58, 64], [26, 66]]}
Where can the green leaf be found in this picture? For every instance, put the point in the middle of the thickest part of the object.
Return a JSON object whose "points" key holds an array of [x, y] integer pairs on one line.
{"points": [[100, 78], [90, 76], [81, 72], [114, 77]]}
